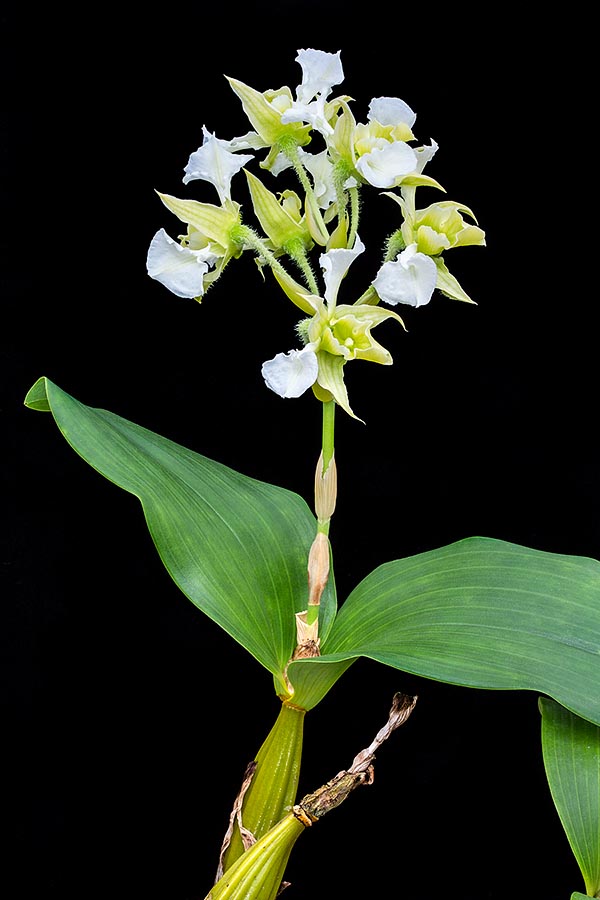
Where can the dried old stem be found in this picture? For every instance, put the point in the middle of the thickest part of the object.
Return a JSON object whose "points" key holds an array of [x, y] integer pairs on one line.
{"points": [[313, 806]]}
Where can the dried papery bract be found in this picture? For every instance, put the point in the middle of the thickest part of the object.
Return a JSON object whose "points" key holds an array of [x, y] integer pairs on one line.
{"points": [[325, 490]]}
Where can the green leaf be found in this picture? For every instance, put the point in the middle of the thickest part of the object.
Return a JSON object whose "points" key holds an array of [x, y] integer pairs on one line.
{"points": [[311, 679], [578, 896], [37, 398], [571, 748], [237, 547], [482, 613]]}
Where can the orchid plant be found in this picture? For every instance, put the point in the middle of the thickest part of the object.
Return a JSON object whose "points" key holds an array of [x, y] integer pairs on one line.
{"points": [[481, 613]]}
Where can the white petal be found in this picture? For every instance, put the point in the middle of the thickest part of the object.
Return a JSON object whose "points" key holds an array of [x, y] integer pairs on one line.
{"points": [[320, 71], [384, 165], [321, 168], [180, 269], [335, 264], [391, 111], [410, 279], [312, 113], [214, 162], [290, 374], [424, 154], [249, 141], [279, 164]]}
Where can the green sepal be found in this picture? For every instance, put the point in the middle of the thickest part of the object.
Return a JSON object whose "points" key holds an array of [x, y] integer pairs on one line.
{"points": [[265, 117], [215, 222], [275, 221], [296, 292], [331, 378], [421, 180], [447, 283]]}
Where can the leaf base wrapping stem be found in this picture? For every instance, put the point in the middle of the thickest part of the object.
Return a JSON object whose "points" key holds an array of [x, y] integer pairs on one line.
{"points": [[272, 785]]}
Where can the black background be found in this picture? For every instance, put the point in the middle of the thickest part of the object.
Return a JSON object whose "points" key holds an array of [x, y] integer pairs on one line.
{"points": [[128, 716]]}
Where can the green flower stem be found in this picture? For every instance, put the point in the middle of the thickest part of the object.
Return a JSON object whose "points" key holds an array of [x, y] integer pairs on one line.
{"points": [[297, 252], [312, 613], [328, 448], [355, 212], [328, 432], [340, 194], [291, 151], [394, 245], [242, 234], [272, 791]]}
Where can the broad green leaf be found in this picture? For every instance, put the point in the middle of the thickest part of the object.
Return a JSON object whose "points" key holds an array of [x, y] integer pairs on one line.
{"points": [[311, 679], [237, 547], [578, 896], [482, 613], [571, 748]]}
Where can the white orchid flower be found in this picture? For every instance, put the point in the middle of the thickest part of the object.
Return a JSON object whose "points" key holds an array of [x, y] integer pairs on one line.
{"points": [[334, 335], [291, 374], [214, 162], [379, 150], [179, 268], [411, 278]]}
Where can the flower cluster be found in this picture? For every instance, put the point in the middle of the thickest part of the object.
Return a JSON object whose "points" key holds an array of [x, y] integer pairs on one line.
{"points": [[323, 213]]}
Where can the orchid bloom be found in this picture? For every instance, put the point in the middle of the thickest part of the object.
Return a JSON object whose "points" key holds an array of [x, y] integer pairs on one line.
{"points": [[441, 227], [279, 119], [186, 268], [427, 233], [334, 335], [382, 154]]}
